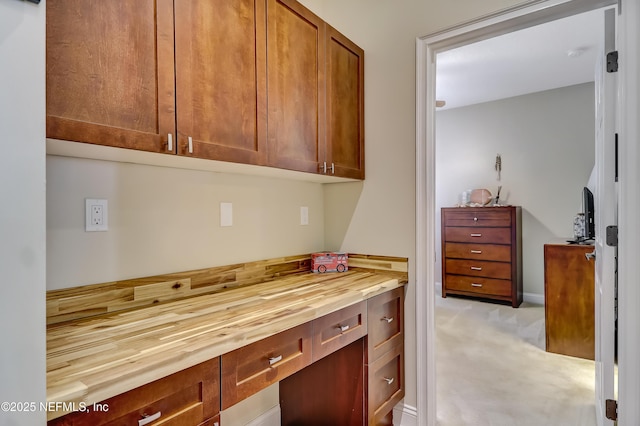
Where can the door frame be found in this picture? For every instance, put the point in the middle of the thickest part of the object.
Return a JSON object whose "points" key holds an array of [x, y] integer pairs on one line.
{"points": [[502, 22]]}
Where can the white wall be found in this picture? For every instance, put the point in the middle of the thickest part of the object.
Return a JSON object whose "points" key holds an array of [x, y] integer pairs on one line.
{"points": [[547, 143], [164, 220], [22, 209]]}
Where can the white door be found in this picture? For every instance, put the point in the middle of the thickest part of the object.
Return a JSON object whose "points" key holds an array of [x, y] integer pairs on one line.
{"points": [[605, 197]]}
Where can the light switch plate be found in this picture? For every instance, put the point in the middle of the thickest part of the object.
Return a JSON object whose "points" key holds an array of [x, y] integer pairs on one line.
{"points": [[304, 215], [226, 214], [96, 215]]}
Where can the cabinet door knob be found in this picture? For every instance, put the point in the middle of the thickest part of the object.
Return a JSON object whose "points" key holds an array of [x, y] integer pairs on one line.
{"points": [[275, 359], [169, 142], [145, 420], [387, 319], [475, 219], [389, 380]]}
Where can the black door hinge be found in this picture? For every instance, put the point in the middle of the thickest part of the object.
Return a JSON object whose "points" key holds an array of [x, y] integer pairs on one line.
{"points": [[612, 236], [612, 61], [611, 409]]}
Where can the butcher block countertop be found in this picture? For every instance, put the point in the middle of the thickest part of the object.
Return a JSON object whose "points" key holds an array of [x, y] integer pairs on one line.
{"points": [[92, 358]]}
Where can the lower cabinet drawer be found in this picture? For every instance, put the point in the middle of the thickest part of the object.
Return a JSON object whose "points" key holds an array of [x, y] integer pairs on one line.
{"points": [[478, 268], [385, 319], [385, 384], [478, 285], [214, 421], [253, 367], [188, 397], [336, 330]]}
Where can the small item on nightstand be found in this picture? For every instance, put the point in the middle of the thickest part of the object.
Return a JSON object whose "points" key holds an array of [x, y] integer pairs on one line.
{"points": [[578, 227]]}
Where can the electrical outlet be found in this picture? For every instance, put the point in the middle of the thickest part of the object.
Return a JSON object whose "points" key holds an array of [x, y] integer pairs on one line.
{"points": [[226, 214], [96, 215], [304, 215]]}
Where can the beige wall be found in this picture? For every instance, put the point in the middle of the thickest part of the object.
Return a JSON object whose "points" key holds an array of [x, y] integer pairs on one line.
{"points": [[547, 143]]}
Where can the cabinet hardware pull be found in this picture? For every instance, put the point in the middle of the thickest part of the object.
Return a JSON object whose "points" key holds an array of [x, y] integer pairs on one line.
{"points": [[389, 380], [170, 142], [190, 145], [333, 169], [275, 359], [591, 255], [475, 219], [343, 328], [324, 167], [476, 251], [476, 235], [387, 319], [476, 268], [476, 285], [148, 419]]}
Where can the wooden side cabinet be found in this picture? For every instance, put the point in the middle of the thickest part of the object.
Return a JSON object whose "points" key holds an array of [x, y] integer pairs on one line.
{"points": [[569, 296], [482, 253], [189, 397]]}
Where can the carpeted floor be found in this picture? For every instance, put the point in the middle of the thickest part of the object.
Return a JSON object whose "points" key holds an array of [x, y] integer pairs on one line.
{"points": [[492, 369]]}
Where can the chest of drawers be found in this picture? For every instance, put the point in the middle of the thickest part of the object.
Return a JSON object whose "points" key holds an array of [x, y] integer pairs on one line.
{"points": [[482, 252]]}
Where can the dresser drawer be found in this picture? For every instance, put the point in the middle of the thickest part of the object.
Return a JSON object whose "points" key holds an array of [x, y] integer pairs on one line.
{"points": [[188, 397], [336, 330], [483, 217], [385, 384], [496, 252], [478, 285], [478, 268], [253, 367], [385, 319], [477, 235]]}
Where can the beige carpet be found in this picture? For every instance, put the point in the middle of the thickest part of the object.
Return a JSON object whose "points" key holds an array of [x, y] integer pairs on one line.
{"points": [[492, 369]]}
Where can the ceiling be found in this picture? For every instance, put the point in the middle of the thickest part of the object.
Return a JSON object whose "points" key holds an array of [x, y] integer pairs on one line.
{"points": [[548, 56]]}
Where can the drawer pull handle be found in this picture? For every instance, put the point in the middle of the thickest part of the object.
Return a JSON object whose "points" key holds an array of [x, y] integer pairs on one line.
{"points": [[476, 251], [389, 380], [343, 328], [190, 145], [476, 285], [387, 319], [148, 419], [275, 359], [476, 268], [476, 235], [169, 142]]}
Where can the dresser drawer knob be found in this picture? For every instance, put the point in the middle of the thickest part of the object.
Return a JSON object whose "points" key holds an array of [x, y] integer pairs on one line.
{"points": [[389, 380], [476, 235], [476, 251], [275, 359], [146, 419], [387, 319], [476, 285], [475, 219], [343, 328]]}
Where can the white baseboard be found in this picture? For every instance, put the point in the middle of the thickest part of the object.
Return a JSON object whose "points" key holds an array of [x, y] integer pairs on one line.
{"points": [[535, 298], [405, 415], [270, 418]]}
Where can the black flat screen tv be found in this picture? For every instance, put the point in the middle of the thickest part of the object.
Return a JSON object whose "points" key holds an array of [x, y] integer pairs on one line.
{"points": [[589, 214]]}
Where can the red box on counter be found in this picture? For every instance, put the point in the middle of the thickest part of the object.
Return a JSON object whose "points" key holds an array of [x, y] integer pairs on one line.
{"points": [[329, 261]]}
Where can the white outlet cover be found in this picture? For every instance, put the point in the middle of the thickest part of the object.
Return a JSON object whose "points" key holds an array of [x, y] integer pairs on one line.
{"points": [[226, 214], [96, 215]]}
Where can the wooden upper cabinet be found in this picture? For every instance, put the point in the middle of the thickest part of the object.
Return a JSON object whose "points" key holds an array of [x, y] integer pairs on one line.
{"points": [[345, 106], [221, 79], [296, 99], [109, 73]]}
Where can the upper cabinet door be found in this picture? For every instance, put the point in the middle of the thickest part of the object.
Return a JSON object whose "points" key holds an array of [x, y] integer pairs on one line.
{"points": [[345, 106], [110, 77], [221, 79], [296, 97]]}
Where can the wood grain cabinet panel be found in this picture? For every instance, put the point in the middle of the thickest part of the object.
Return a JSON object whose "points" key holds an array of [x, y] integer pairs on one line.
{"points": [[386, 323], [253, 367], [569, 300], [336, 330], [482, 252], [188, 397], [385, 385], [110, 72]]}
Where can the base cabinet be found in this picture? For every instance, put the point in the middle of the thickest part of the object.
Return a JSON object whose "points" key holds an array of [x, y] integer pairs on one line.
{"points": [[189, 397]]}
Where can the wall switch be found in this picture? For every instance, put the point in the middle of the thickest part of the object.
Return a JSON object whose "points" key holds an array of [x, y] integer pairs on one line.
{"points": [[96, 215], [226, 214], [304, 215]]}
